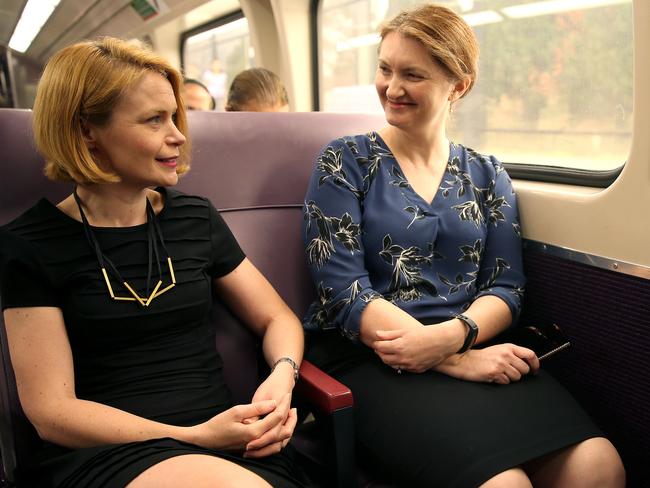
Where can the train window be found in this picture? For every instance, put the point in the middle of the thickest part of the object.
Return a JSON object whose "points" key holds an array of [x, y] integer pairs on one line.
{"points": [[214, 53], [555, 79]]}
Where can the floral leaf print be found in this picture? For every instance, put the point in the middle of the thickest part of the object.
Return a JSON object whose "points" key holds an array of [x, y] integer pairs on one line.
{"points": [[459, 178], [355, 289], [429, 287], [471, 211], [330, 162], [400, 180], [458, 283], [352, 146], [418, 214], [472, 253], [500, 266], [406, 276], [475, 157], [346, 232], [516, 228], [376, 153], [320, 248], [493, 205], [322, 317]]}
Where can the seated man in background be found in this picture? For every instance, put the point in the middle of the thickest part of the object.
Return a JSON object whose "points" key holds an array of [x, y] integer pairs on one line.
{"points": [[257, 90], [196, 96]]}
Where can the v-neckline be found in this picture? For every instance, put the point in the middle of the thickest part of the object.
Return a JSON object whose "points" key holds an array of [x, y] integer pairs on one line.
{"points": [[415, 194]]}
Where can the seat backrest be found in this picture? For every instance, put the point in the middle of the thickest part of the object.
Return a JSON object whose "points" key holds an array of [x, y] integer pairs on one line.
{"points": [[254, 167]]}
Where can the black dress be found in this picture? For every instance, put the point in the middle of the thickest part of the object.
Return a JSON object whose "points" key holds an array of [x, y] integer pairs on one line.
{"points": [[159, 362]]}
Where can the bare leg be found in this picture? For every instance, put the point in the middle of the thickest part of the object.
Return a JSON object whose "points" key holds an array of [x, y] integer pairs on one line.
{"points": [[593, 463], [513, 478], [197, 471]]}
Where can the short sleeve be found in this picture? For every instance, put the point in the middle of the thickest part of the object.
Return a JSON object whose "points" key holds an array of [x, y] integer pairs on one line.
{"points": [[23, 280], [226, 252]]}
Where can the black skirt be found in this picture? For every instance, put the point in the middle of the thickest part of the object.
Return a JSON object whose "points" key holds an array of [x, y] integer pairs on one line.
{"points": [[117, 465], [434, 430]]}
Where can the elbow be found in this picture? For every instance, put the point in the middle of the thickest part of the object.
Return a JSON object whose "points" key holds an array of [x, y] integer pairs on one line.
{"points": [[44, 421], [42, 427]]}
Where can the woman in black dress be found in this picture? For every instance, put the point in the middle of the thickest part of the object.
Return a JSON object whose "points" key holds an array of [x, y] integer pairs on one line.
{"points": [[403, 229], [106, 296]]}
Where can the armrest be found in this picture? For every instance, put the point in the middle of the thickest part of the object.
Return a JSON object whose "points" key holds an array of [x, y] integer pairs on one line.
{"points": [[322, 390]]}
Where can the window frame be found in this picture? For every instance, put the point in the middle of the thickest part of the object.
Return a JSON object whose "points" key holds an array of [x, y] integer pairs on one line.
{"points": [[211, 24], [521, 171]]}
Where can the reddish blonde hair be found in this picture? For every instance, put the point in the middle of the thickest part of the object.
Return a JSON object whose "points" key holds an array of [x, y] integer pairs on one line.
{"points": [[82, 83]]}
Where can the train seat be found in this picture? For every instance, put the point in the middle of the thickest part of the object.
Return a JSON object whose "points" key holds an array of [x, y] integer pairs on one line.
{"points": [[254, 167]]}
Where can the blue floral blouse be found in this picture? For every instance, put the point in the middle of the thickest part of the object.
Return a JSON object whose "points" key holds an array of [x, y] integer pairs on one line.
{"points": [[368, 234]]}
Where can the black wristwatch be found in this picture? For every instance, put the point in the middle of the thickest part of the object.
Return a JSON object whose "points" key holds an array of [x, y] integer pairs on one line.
{"points": [[286, 359], [472, 332]]}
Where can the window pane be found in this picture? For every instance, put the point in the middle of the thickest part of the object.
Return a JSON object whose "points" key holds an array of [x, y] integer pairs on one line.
{"points": [[217, 55], [555, 79]]}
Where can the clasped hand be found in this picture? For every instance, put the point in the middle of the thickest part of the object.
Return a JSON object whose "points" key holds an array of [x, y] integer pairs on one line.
{"points": [[416, 349], [261, 428], [500, 364]]}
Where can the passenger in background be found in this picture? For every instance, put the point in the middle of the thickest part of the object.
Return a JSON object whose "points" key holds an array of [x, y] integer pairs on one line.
{"points": [[107, 295], [216, 79], [414, 245], [257, 90], [196, 96]]}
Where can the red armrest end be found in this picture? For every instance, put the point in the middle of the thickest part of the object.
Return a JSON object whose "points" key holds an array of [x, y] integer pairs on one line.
{"points": [[322, 390]]}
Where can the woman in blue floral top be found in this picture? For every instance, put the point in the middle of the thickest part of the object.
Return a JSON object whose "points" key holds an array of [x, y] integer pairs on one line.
{"points": [[403, 229]]}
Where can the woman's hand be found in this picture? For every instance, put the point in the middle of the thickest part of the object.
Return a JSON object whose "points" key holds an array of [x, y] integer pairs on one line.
{"points": [[501, 364], [276, 438], [417, 349], [277, 386], [230, 431]]}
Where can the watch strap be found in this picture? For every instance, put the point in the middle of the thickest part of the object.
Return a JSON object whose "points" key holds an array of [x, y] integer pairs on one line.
{"points": [[294, 365], [472, 332]]}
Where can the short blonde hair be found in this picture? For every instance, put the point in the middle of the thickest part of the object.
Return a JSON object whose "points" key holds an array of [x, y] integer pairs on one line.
{"points": [[256, 86], [445, 35], [83, 83]]}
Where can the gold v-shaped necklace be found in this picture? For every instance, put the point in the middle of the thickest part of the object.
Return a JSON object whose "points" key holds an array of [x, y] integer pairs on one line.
{"points": [[154, 235]]}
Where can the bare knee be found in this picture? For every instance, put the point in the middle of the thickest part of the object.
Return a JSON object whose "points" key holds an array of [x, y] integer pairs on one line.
{"points": [[593, 463], [198, 471], [512, 478], [601, 464]]}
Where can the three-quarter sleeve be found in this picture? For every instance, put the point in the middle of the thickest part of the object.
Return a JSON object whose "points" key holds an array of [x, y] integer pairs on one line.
{"points": [[333, 215], [501, 272], [23, 280], [226, 252]]}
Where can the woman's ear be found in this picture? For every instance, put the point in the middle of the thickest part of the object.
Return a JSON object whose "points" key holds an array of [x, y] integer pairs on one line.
{"points": [[89, 135], [459, 89]]}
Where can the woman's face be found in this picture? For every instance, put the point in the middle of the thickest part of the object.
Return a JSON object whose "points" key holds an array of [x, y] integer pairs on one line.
{"points": [[413, 89], [141, 142]]}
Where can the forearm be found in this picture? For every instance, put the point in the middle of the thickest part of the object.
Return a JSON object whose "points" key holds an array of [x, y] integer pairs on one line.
{"points": [[491, 314], [76, 423], [380, 314], [283, 338]]}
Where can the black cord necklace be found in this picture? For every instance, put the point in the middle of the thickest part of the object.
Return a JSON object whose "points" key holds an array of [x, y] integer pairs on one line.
{"points": [[154, 235]]}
